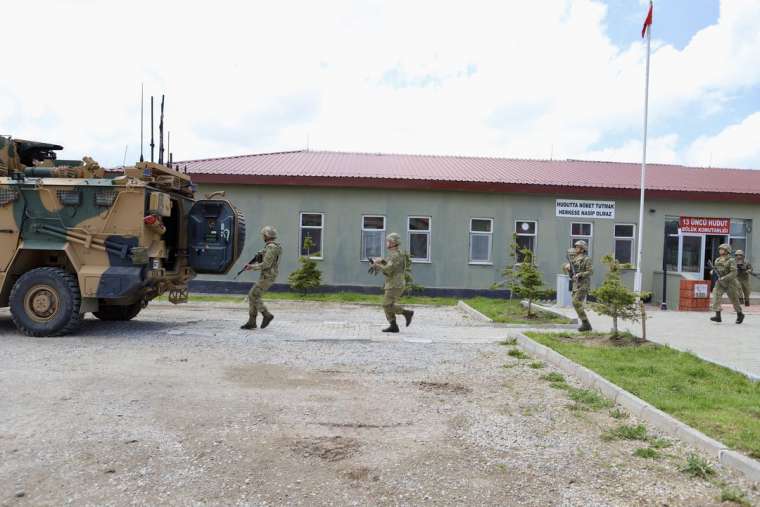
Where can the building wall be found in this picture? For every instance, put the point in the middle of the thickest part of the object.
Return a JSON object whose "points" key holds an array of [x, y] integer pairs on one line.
{"points": [[450, 212]]}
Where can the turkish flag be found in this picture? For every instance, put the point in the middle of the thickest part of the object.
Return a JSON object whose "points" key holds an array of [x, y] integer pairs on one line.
{"points": [[648, 21]]}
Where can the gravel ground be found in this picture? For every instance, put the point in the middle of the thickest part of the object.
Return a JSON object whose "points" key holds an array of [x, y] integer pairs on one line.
{"points": [[181, 407]]}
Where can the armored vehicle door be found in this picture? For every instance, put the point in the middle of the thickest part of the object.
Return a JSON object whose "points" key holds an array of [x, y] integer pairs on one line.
{"points": [[9, 230], [216, 235]]}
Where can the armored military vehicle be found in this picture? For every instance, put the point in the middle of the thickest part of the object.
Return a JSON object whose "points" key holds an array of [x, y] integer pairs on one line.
{"points": [[75, 238]]}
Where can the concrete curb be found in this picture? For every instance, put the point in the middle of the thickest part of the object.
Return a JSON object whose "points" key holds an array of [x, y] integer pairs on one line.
{"points": [[472, 312], [640, 408]]}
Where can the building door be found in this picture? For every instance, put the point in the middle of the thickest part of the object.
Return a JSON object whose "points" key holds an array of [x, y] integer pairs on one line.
{"points": [[712, 242]]}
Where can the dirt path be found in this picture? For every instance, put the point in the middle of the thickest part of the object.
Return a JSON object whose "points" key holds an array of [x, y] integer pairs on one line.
{"points": [[163, 410]]}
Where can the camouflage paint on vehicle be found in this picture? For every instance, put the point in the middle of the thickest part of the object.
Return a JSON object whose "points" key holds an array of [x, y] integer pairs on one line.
{"points": [[125, 237]]}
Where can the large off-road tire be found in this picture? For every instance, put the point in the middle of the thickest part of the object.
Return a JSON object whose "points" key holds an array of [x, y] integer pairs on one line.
{"points": [[118, 312], [46, 302]]}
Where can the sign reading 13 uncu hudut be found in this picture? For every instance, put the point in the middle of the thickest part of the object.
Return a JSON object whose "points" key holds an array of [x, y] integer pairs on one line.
{"points": [[571, 208]]}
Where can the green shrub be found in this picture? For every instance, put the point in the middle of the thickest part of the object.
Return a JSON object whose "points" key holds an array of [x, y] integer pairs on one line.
{"points": [[308, 276]]}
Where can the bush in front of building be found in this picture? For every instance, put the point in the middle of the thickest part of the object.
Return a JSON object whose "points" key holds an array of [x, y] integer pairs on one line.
{"points": [[523, 279], [308, 276], [613, 298]]}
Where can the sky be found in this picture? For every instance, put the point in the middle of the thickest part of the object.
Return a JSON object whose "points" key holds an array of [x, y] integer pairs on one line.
{"points": [[561, 79]]}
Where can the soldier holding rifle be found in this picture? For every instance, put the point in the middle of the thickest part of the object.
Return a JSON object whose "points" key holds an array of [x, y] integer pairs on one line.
{"points": [[393, 266], [580, 269], [743, 273], [267, 261], [725, 269]]}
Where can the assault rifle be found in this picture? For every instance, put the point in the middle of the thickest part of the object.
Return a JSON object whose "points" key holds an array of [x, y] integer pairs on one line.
{"points": [[572, 270], [743, 267], [714, 277], [259, 257], [373, 267]]}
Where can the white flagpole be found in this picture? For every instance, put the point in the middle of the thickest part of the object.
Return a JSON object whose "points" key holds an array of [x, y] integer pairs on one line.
{"points": [[637, 277]]}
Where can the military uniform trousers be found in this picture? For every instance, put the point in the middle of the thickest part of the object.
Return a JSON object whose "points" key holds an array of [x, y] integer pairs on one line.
{"points": [[255, 303], [579, 300], [732, 289], [390, 304], [746, 288]]}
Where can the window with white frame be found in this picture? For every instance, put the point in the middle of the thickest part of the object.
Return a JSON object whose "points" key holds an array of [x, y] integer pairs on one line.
{"points": [[312, 226], [481, 236], [373, 235], [624, 241], [525, 237], [738, 236], [581, 231], [419, 238]]}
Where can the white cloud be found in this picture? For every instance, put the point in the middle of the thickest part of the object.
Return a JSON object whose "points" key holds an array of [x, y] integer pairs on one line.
{"points": [[737, 145], [492, 78]]}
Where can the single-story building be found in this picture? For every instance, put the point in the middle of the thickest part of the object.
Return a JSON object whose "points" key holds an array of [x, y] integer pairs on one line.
{"points": [[458, 215]]}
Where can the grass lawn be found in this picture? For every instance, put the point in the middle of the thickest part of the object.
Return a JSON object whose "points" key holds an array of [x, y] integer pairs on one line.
{"points": [[510, 311], [336, 297], [715, 400]]}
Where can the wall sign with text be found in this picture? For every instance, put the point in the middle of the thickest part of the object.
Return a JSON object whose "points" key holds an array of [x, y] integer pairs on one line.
{"points": [[571, 208], [704, 225]]}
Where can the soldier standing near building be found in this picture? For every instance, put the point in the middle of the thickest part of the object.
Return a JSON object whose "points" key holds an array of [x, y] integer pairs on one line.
{"points": [[743, 274], [725, 267], [269, 267], [580, 269], [393, 266]]}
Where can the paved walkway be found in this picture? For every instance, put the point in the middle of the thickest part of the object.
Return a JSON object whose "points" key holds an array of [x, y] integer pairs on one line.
{"points": [[734, 346]]}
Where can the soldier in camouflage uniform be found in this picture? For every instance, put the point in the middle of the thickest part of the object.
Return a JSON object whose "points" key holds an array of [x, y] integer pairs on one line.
{"points": [[580, 271], [393, 266], [725, 267], [743, 273], [269, 267]]}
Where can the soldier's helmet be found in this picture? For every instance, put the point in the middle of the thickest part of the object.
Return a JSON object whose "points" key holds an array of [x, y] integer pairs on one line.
{"points": [[582, 244], [269, 232], [739, 253], [394, 237], [726, 247]]}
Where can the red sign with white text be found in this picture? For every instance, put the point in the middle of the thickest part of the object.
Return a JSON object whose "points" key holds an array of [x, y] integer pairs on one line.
{"points": [[704, 225]]}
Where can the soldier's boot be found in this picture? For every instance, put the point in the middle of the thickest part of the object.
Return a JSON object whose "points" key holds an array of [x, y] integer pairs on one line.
{"points": [[585, 325], [739, 318], [393, 328], [746, 301], [716, 318], [408, 314], [251, 324], [268, 317]]}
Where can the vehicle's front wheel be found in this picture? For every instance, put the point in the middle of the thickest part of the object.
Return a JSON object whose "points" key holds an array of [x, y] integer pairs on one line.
{"points": [[46, 302], [118, 312]]}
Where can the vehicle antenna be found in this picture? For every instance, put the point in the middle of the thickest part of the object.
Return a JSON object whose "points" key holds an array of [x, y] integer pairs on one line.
{"points": [[142, 121], [152, 144], [161, 134], [124, 162], [169, 144]]}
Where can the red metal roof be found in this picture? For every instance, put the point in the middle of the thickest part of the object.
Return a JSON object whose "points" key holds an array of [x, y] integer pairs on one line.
{"points": [[328, 168]]}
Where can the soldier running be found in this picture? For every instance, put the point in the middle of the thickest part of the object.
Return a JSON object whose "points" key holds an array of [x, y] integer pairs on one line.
{"points": [[743, 274], [725, 267], [580, 269], [268, 266], [393, 266]]}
